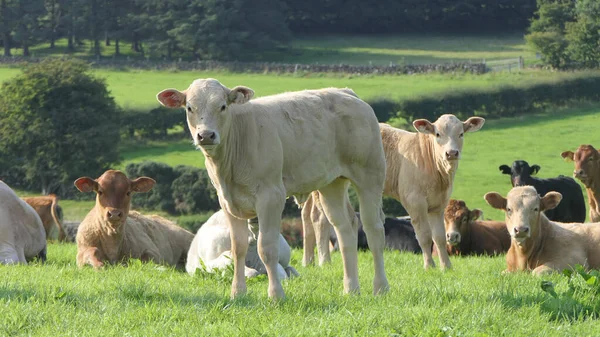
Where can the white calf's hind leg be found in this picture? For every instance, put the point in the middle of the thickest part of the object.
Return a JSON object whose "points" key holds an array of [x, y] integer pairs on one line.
{"points": [[372, 218], [322, 228], [333, 201], [308, 233]]}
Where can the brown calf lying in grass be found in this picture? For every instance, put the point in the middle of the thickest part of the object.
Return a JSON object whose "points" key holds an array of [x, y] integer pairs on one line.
{"points": [[539, 244], [111, 233]]}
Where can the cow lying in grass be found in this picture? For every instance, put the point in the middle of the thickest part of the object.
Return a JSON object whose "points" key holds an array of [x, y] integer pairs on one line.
{"points": [[465, 235], [211, 250], [112, 233], [539, 244], [22, 236]]}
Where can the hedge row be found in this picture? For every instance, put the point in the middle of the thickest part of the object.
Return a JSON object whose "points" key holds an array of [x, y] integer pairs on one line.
{"points": [[505, 101]]}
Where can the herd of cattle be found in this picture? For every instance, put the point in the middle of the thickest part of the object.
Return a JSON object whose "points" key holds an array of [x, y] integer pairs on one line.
{"points": [[311, 145]]}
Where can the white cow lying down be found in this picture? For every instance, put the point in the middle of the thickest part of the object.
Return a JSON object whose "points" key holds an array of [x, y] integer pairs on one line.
{"points": [[212, 245]]}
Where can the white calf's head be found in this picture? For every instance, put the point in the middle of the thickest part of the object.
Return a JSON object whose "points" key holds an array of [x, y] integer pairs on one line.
{"points": [[523, 208], [448, 132], [206, 102]]}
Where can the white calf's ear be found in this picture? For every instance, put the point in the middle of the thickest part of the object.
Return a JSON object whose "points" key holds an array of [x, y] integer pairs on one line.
{"points": [[473, 124], [550, 201], [568, 155], [86, 184], [240, 95], [495, 200], [424, 126], [171, 98], [142, 184]]}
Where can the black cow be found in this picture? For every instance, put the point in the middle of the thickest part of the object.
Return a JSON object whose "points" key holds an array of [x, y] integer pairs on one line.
{"points": [[399, 235], [572, 206]]}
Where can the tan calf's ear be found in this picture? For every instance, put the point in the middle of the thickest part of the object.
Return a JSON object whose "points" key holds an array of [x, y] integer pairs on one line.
{"points": [[424, 126], [240, 95], [475, 214], [550, 201], [86, 184], [473, 124], [495, 200], [171, 98], [568, 155], [142, 184]]}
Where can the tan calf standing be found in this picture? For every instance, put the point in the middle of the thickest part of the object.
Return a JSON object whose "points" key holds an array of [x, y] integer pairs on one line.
{"points": [[46, 207], [539, 244], [587, 170], [111, 233]]}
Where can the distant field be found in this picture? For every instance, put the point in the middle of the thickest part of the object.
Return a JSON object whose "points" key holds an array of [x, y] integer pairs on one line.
{"points": [[360, 49]]}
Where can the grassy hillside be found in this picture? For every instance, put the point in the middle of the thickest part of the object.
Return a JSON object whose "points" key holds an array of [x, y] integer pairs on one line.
{"points": [[473, 299]]}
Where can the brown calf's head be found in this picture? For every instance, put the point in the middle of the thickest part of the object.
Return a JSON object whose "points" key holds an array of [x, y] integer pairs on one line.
{"points": [[448, 132], [587, 163], [457, 218], [523, 208], [113, 193], [206, 102]]}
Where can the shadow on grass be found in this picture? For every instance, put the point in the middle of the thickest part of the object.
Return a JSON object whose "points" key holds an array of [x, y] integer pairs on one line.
{"points": [[541, 117]]}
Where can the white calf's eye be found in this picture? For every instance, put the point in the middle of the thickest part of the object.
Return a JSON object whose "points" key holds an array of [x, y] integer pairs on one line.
{"points": [[223, 107], [437, 135], [189, 109], [535, 209], [461, 135]]}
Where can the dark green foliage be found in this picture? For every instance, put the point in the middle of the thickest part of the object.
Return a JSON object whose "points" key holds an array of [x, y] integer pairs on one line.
{"points": [[192, 191], [384, 108], [502, 101], [151, 124], [58, 122], [160, 197]]}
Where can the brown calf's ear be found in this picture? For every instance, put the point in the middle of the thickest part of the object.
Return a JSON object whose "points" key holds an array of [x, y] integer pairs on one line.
{"points": [[495, 200], [171, 98], [550, 201], [142, 184], [475, 214], [505, 169], [239, 95], [568, 155], [473, 124], [424, 126], [86, 184], [535, 169]]}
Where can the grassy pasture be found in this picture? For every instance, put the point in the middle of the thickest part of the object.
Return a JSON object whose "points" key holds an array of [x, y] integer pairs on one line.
{"points": [[473, 299]]}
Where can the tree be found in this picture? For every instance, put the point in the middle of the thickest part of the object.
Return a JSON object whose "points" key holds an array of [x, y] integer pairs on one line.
{"points": [[584, 34], [58, 123], [29, 27], [6, 25]]}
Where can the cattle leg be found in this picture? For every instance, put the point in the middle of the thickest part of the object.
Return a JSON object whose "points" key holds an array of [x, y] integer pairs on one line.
{"points": [[269, 207], [372, 218], [91, 256], [438, 230], [308, 234], [420, 223], [238, 229], [333, 198], [322, 229]]}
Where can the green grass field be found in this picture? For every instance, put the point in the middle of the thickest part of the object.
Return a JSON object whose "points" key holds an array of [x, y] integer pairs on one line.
{"points": [[473, 299]]}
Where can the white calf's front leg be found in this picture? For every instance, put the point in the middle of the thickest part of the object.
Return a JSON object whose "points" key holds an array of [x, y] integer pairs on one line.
{"points": [[438, 231], [269, 207], [239, 248]]}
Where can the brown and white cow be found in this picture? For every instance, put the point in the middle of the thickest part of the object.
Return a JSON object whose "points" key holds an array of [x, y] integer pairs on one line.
{"points": [[539, 244], [587, 170], [111, 233], [420, 174], [465, 235], [47, 208], [22, 236], [260, 151]]}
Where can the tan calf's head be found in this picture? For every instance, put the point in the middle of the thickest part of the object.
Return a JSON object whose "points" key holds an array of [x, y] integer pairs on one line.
{"points": [[448, 132], [457, 218], [113, 193], [587, 163], [523, 208], [206, 102]]}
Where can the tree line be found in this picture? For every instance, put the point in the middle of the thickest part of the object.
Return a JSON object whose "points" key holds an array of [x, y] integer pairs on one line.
{"points": [[232, 29]]}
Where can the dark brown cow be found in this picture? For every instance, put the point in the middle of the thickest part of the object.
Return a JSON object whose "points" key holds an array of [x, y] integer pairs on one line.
{"points": [[47, 208], [465, 235], [587, 170], [112, 233]]}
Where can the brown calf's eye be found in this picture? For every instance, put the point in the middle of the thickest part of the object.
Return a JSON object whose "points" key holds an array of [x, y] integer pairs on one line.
{"points": [[99, 192], [129, 193]]}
